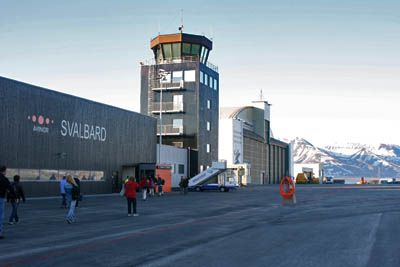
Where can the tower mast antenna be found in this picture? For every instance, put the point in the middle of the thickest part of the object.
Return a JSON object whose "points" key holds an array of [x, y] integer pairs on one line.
{"points": [[181, 27]]}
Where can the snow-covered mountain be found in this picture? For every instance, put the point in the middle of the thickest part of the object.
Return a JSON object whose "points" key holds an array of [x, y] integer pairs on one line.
{"points": [[350, 160]]}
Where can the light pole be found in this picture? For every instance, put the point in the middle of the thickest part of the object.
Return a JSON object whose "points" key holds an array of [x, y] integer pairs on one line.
{"points": [[162, 75]]}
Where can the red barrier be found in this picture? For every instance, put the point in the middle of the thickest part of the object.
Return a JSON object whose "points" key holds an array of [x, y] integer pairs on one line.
{"points": [[287, 187]]}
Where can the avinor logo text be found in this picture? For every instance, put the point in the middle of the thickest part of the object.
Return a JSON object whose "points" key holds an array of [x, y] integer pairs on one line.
{"points": [[83, 131]]}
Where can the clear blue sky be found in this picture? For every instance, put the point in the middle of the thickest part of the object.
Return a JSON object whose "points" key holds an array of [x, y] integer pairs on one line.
{"points": [[330, 68]]}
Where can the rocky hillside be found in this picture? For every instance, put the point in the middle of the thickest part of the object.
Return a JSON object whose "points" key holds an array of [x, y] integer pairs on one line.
{"points": [[350, 160]]}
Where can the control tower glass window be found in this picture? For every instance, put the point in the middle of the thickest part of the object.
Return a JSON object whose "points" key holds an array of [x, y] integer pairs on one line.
{"points": [[167, 50], [186, 48], [176, 50], [195, 49], [159, 53]]}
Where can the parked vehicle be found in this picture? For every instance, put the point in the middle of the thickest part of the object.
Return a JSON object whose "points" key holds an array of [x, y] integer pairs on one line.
{"points": [[214, 187]]}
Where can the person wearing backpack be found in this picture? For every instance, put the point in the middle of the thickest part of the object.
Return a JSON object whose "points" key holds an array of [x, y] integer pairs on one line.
{"points": [[15, 195], [4, 187], [72, 193]]}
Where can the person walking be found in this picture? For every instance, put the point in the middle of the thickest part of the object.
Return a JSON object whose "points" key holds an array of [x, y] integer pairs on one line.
{"points": [[152, 186], [78, 183], [181, 185], [160, 183], [15, 195], [4, 187], [130, 193], [143, 185], [72, 194], [62, 192], [185, 185]]}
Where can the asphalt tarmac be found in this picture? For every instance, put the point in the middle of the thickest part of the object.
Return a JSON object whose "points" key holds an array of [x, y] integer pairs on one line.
{"points": [[330, 225]]}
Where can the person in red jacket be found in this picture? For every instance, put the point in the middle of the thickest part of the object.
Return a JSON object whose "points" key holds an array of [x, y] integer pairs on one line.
{"points": [[130, 193]]}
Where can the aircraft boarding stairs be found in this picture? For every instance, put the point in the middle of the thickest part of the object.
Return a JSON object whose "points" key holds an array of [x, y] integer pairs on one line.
{"points": [[216, 168]]}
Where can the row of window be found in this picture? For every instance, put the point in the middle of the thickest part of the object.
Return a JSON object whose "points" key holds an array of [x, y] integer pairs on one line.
{"points": [[178, 50], [178, 76], [208, 80], [54, 175]]}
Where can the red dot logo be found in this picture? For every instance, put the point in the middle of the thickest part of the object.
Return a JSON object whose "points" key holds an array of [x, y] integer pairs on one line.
{"points": [[47, 121], [41, 120], [33, 118]]}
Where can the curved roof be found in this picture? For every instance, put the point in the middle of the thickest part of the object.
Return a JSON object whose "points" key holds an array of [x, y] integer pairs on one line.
{"points": [[233, 112]]}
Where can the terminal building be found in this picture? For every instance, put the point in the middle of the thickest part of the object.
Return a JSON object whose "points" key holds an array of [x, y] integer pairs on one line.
{"points": [[245, 138], [46, 135], [180, 88]]}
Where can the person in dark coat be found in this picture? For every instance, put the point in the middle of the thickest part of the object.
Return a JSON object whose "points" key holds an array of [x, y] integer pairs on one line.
{"points": [[78, 182], [160, 183], [4, 188], [15, 195]]}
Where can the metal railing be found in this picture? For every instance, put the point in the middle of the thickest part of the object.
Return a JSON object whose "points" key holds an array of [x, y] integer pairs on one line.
{"points": [[169, 129], [167, 107], [158, 86], [180, 60]]}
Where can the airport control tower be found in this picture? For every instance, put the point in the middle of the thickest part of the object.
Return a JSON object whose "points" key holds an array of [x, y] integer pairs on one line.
{"points": [[182, 86]]}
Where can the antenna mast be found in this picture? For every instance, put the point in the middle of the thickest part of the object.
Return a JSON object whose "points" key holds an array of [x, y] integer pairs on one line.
{"points": [[181, 27], [261, 95]]}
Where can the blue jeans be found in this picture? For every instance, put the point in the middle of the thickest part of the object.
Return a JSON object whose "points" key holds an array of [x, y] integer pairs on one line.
{"points": [[14, 212], [71, 211], [2, 203]]}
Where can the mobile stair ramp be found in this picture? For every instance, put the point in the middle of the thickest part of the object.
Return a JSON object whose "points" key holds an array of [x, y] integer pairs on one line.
{"points": [[216, 168]]}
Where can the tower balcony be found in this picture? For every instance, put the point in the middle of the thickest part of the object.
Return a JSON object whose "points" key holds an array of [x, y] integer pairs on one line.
{"points": [[173, 86], [169, 130], [167, 107]]}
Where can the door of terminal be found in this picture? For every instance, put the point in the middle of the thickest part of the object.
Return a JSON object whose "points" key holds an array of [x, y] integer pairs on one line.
{"points": [[127, 172]]}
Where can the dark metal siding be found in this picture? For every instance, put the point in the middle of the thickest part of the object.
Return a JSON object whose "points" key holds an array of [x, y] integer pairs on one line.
{"points": [[130, 137]]}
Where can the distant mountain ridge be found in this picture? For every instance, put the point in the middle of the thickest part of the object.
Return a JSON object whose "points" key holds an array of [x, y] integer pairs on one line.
{"points": [[350, 160]]}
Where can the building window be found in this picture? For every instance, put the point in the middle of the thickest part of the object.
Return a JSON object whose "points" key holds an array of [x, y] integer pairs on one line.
{"points": [[203, 55], [208, 148], [186, 48], [205, 79], [177, 76], [176, 50], [177, 123], [195, 50], [181, 168], [208, 126], [211, 82], [201, 168], [190, 75], [215, 84], [201, 77], [167, 50], [208, 104], [178, 102], [55, 175]]}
